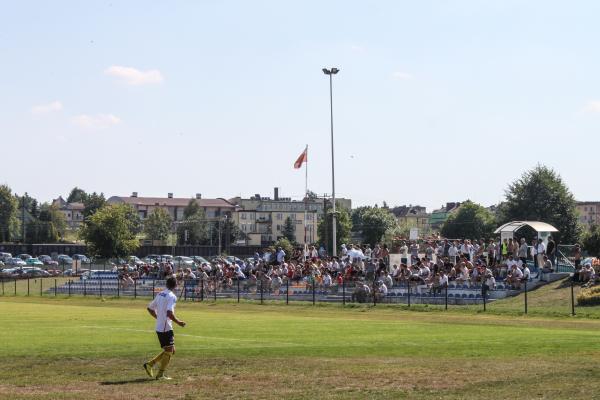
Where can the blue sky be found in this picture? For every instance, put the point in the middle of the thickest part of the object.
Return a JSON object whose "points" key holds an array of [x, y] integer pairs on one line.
{"points": [[436, 100]]}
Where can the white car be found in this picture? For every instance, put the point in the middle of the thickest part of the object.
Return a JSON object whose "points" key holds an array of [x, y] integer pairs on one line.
{"points": [[15, 261]]}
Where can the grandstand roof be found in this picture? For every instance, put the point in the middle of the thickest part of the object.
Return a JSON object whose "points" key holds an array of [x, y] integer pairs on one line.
{"points": [[516, 225]]}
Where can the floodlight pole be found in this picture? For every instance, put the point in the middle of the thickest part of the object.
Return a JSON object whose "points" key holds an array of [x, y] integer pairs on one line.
{"points": [[332, 72]]}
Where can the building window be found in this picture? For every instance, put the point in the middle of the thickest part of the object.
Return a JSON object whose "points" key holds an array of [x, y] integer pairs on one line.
{"points": [[279, 216], [243, 215]]}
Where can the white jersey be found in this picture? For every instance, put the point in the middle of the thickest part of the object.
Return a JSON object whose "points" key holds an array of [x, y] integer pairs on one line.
{"points": [[163, 302]]}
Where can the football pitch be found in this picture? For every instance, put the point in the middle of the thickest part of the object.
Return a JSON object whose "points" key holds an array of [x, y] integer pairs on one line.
{"points": [[87, 348]]}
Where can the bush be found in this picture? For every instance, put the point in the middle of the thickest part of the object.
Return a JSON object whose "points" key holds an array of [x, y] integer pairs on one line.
{"points": [[589, 297]]}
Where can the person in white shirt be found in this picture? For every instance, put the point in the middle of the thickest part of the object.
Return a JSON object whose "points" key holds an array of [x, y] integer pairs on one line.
{"points": [[541, 252], [404, 254], [162, 308], [488, 284], [452, 253]]}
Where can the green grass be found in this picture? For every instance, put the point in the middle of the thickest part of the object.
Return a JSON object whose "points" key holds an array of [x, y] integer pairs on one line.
{"points": [[88, 348]]}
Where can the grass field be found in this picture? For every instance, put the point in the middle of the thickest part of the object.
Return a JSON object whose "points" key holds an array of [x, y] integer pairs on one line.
{"points": [[87, 348]]}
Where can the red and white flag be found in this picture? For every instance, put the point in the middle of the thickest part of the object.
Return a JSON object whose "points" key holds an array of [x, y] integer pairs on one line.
{"points": [[302, 159]]}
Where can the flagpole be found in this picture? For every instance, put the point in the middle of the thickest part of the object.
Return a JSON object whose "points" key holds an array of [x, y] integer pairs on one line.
{"points": [[305, 191]]}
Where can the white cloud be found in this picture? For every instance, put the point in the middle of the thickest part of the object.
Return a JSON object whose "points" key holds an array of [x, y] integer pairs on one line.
{"points": [[132, 76], [401, 76], [592, 107], [97, 121], [47, 108]]}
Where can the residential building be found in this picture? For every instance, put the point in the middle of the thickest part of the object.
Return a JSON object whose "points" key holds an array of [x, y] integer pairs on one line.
{"points": [[439, 216], [412, 217], [589, 212], [214, 209], [262, 219], [73, 212]]}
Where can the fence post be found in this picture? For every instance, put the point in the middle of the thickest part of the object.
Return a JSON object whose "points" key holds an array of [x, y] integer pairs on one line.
{"points": [[100, 287], [215, 293], [238, 288], [374, 297], [287, 290], [343, 291], [313, 289], [55, 287], [525, 297], [572, 299], [15, 286], [69, 288], [446, 295], [184, 291], [484, 300], [41, 287], [135, 289], [84, 288], [153, 287], [28, 286], [2, 287], [261, 290], [408, 284], [118, 287]]}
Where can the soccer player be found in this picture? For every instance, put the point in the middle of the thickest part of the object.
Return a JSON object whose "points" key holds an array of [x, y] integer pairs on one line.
{"points": [[162, 308]]}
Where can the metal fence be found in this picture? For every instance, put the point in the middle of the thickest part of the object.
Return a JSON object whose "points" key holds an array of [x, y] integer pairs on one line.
{"points": [[261, 291]]}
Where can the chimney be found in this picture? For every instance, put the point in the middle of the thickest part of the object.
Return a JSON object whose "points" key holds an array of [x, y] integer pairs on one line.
{"points": [[276, 194], [198, 196], [134, 194], [170, 195]]}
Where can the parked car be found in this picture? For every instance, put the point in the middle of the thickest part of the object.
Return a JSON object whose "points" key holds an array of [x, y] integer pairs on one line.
{"points": [[134, 260], [1, 264], [34, 261], [183, 262], [81, 257], [152, 258], [10, 272], [47, 260], [34, 273], [15, 262], [5, 256], [64, 259], [235, 260], [166, 258], [200, 260], [24, 257]]}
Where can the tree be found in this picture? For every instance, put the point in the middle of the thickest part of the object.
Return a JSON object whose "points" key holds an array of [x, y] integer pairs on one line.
{"points": [[591, 241], [343, 228], [77, 195], [289, 230], [158, 224], [374, 223], [396, 234], [9, 224], [541, 195], [49, 227], [194, 228], [35, 209], [93, 203], [471, 221], [111, 231], [286, 245], [228, 230]]}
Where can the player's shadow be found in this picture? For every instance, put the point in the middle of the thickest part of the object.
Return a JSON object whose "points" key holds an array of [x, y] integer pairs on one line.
{"points": [[126, 381]]}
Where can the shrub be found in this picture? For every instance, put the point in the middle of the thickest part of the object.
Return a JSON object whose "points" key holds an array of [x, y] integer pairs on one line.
{"points": [[589, 297]]}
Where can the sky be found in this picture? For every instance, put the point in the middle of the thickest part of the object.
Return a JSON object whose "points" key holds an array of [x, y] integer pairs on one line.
{"points": [[435, 101]]}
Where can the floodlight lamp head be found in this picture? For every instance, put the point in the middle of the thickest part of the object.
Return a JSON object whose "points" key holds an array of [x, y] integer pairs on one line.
{"points": [[326, 71], [334, 70]]}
